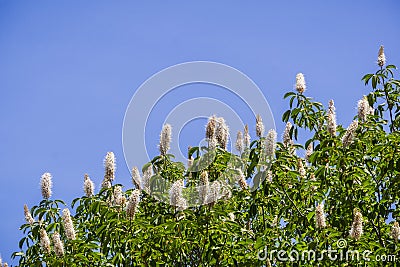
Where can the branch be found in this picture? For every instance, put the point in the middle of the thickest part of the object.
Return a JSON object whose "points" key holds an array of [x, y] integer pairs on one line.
{"points": [[291, 201]]}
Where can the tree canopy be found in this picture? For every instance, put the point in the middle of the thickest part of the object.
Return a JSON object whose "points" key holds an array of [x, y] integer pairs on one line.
{"points": [[263, 206]]}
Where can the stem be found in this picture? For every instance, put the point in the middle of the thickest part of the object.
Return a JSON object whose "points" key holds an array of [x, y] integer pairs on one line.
{"points": [[377, 229], [205, 239], [390, 110], [389, 106], [291, 201], [262, 210]]}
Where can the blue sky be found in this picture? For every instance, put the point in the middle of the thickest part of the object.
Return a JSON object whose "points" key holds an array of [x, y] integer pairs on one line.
{"points": [[68, 70]]}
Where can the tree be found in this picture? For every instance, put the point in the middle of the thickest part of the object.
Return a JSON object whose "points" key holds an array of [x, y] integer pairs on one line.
{"points": [[343, 196]]}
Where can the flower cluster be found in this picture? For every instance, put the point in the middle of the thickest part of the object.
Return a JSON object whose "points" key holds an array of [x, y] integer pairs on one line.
{"points": [[88, 186], [357, 227], [241, 179], [381, 57], [300, 83], [364, 109], [176, 196], [136, 177], [259, 126], [165, 139], [239, 142], [331, 118], [28, 216], [217, 132], [132, 206], [270, 143], [320, 216], [395, 232], [287, 140], [46, 184], [58, 245], [350, 133], [68, 225], [109, 170], [45, 241]]}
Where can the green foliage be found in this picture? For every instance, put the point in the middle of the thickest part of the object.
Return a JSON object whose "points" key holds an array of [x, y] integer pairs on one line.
{"points": [[280, 215]]}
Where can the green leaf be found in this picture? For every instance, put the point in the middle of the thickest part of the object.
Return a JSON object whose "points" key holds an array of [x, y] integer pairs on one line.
{"points": [[286, 116], [289, 94]]}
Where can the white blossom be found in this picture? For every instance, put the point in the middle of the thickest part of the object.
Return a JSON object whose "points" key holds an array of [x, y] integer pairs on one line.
{"points": [[357, 226], [332, 118], [46, 184], [68, 225], [320, 216], [88, 186], [381, 57], [165, 139], [300, 83], [259, 126]]}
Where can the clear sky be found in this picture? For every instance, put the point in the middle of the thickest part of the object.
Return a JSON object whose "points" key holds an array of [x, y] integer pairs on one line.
{"points": [[68, 70]]}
